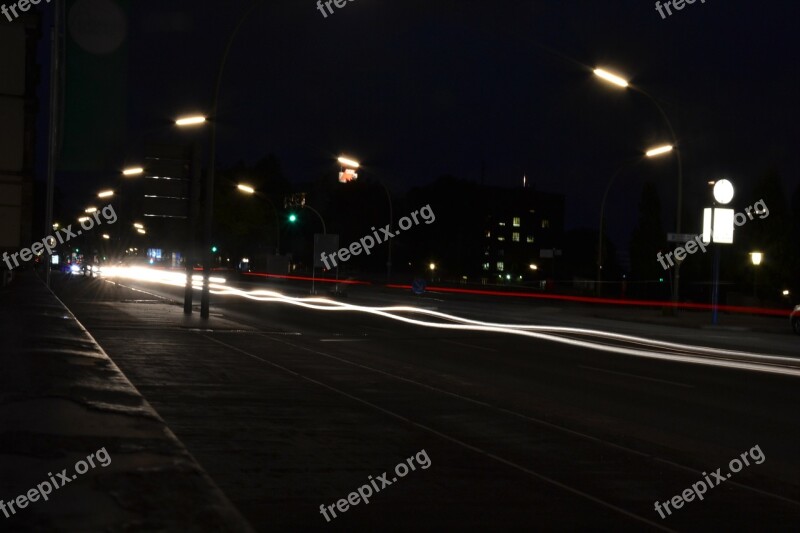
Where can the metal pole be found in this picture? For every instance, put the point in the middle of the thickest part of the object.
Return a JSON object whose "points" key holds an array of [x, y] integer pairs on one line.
{"points": [[679, 206], [209, 185], [600, 234], [191, 242], [715, 288]]}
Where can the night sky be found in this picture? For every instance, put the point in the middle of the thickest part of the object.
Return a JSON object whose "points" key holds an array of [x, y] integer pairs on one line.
{"points": [[417, 89]]}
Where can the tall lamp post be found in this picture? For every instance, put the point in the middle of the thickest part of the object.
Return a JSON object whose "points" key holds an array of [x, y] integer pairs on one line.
{"points": [[247, 189], [348, 174], [653, 152], [618, 81]]}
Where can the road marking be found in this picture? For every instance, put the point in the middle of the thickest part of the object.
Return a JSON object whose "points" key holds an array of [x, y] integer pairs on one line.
{"points": [[469, 345], [638, 377], [342, 340], [454, 440]]}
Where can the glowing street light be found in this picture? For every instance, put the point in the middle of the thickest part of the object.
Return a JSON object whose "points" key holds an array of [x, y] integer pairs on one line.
{"points": [[347, 162], [90, 210], [611, 78], [105, 194], [83, 219], [659, 150], [533, 267], [756, 258], [190, 121], [141, 231], [246, 188], [106, 236], [432, 266], [138, 226], [133, 171]]}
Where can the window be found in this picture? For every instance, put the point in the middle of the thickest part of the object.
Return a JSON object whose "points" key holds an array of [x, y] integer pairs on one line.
{"points": [[545, 223], [500, 266], [503, 224], [486, 266], [515, 236], [501, 238], [488, 234], [529, 239], [515, 223]]}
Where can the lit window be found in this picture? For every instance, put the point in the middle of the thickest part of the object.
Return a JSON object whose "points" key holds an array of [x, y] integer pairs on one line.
{"points": [[529, 239], [501, 224], [500, 266], [545, 223], [501, 238], [515, 236], [515, 223], [488, 234], [486, 266]]}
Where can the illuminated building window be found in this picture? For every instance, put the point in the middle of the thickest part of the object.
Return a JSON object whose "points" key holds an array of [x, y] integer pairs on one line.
{"points": [[503, 224], [545, 223], [529, 239], [488, 233], [486, 266], [501, 238], [500, 266], [515, 236], [516, 222]]}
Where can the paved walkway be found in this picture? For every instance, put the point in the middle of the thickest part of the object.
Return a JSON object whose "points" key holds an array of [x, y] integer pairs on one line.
{"points": [[63, 400]]}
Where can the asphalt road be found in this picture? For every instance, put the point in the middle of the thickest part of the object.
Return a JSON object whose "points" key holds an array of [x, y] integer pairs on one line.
{"points": [[290, 408]]}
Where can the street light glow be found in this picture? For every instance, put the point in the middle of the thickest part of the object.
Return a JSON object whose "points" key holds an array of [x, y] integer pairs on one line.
{"points": [[83, 219], [133, 171], [659, 150], [612, 78], [106, 236], [349, 162], [432, 266], [533, 267], [140, 230], [90, 210], [246, 188], [190, 121], [138, 226], [756, 258], [105, 194]]}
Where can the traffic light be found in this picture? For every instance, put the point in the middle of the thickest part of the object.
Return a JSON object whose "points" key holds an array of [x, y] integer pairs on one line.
{"points": [[292, 218], [661, 280], [214, 249]]}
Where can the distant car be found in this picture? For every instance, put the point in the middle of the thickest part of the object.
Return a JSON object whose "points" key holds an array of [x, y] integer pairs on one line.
{"points": [[795, 319]]}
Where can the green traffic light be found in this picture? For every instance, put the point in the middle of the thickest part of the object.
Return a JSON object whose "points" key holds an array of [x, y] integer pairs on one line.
{"points": [[661, 280], [214, 249], [292, 218]]}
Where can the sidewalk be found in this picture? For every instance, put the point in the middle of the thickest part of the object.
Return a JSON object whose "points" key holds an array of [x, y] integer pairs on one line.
{"points": [[61, 400]]}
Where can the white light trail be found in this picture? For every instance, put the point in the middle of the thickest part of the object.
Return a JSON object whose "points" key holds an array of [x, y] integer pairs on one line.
{"points": [[683, 352]]}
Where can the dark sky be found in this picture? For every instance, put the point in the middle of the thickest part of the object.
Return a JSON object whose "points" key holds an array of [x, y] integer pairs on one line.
{"points": [[416, 89]]}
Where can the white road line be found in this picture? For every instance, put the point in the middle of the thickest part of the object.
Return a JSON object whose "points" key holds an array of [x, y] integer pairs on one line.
{"points": [[638, 377]]}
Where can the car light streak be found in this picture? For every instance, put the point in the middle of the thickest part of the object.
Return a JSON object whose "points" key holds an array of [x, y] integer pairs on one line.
{"points": [[652, 349]]}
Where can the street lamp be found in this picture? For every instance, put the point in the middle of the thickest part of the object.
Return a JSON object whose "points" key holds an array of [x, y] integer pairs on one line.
{"points": [[133, 171], [618, 81], [653, 152], [349, 174], [105, 194], [194, 120], [247, 189]]}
